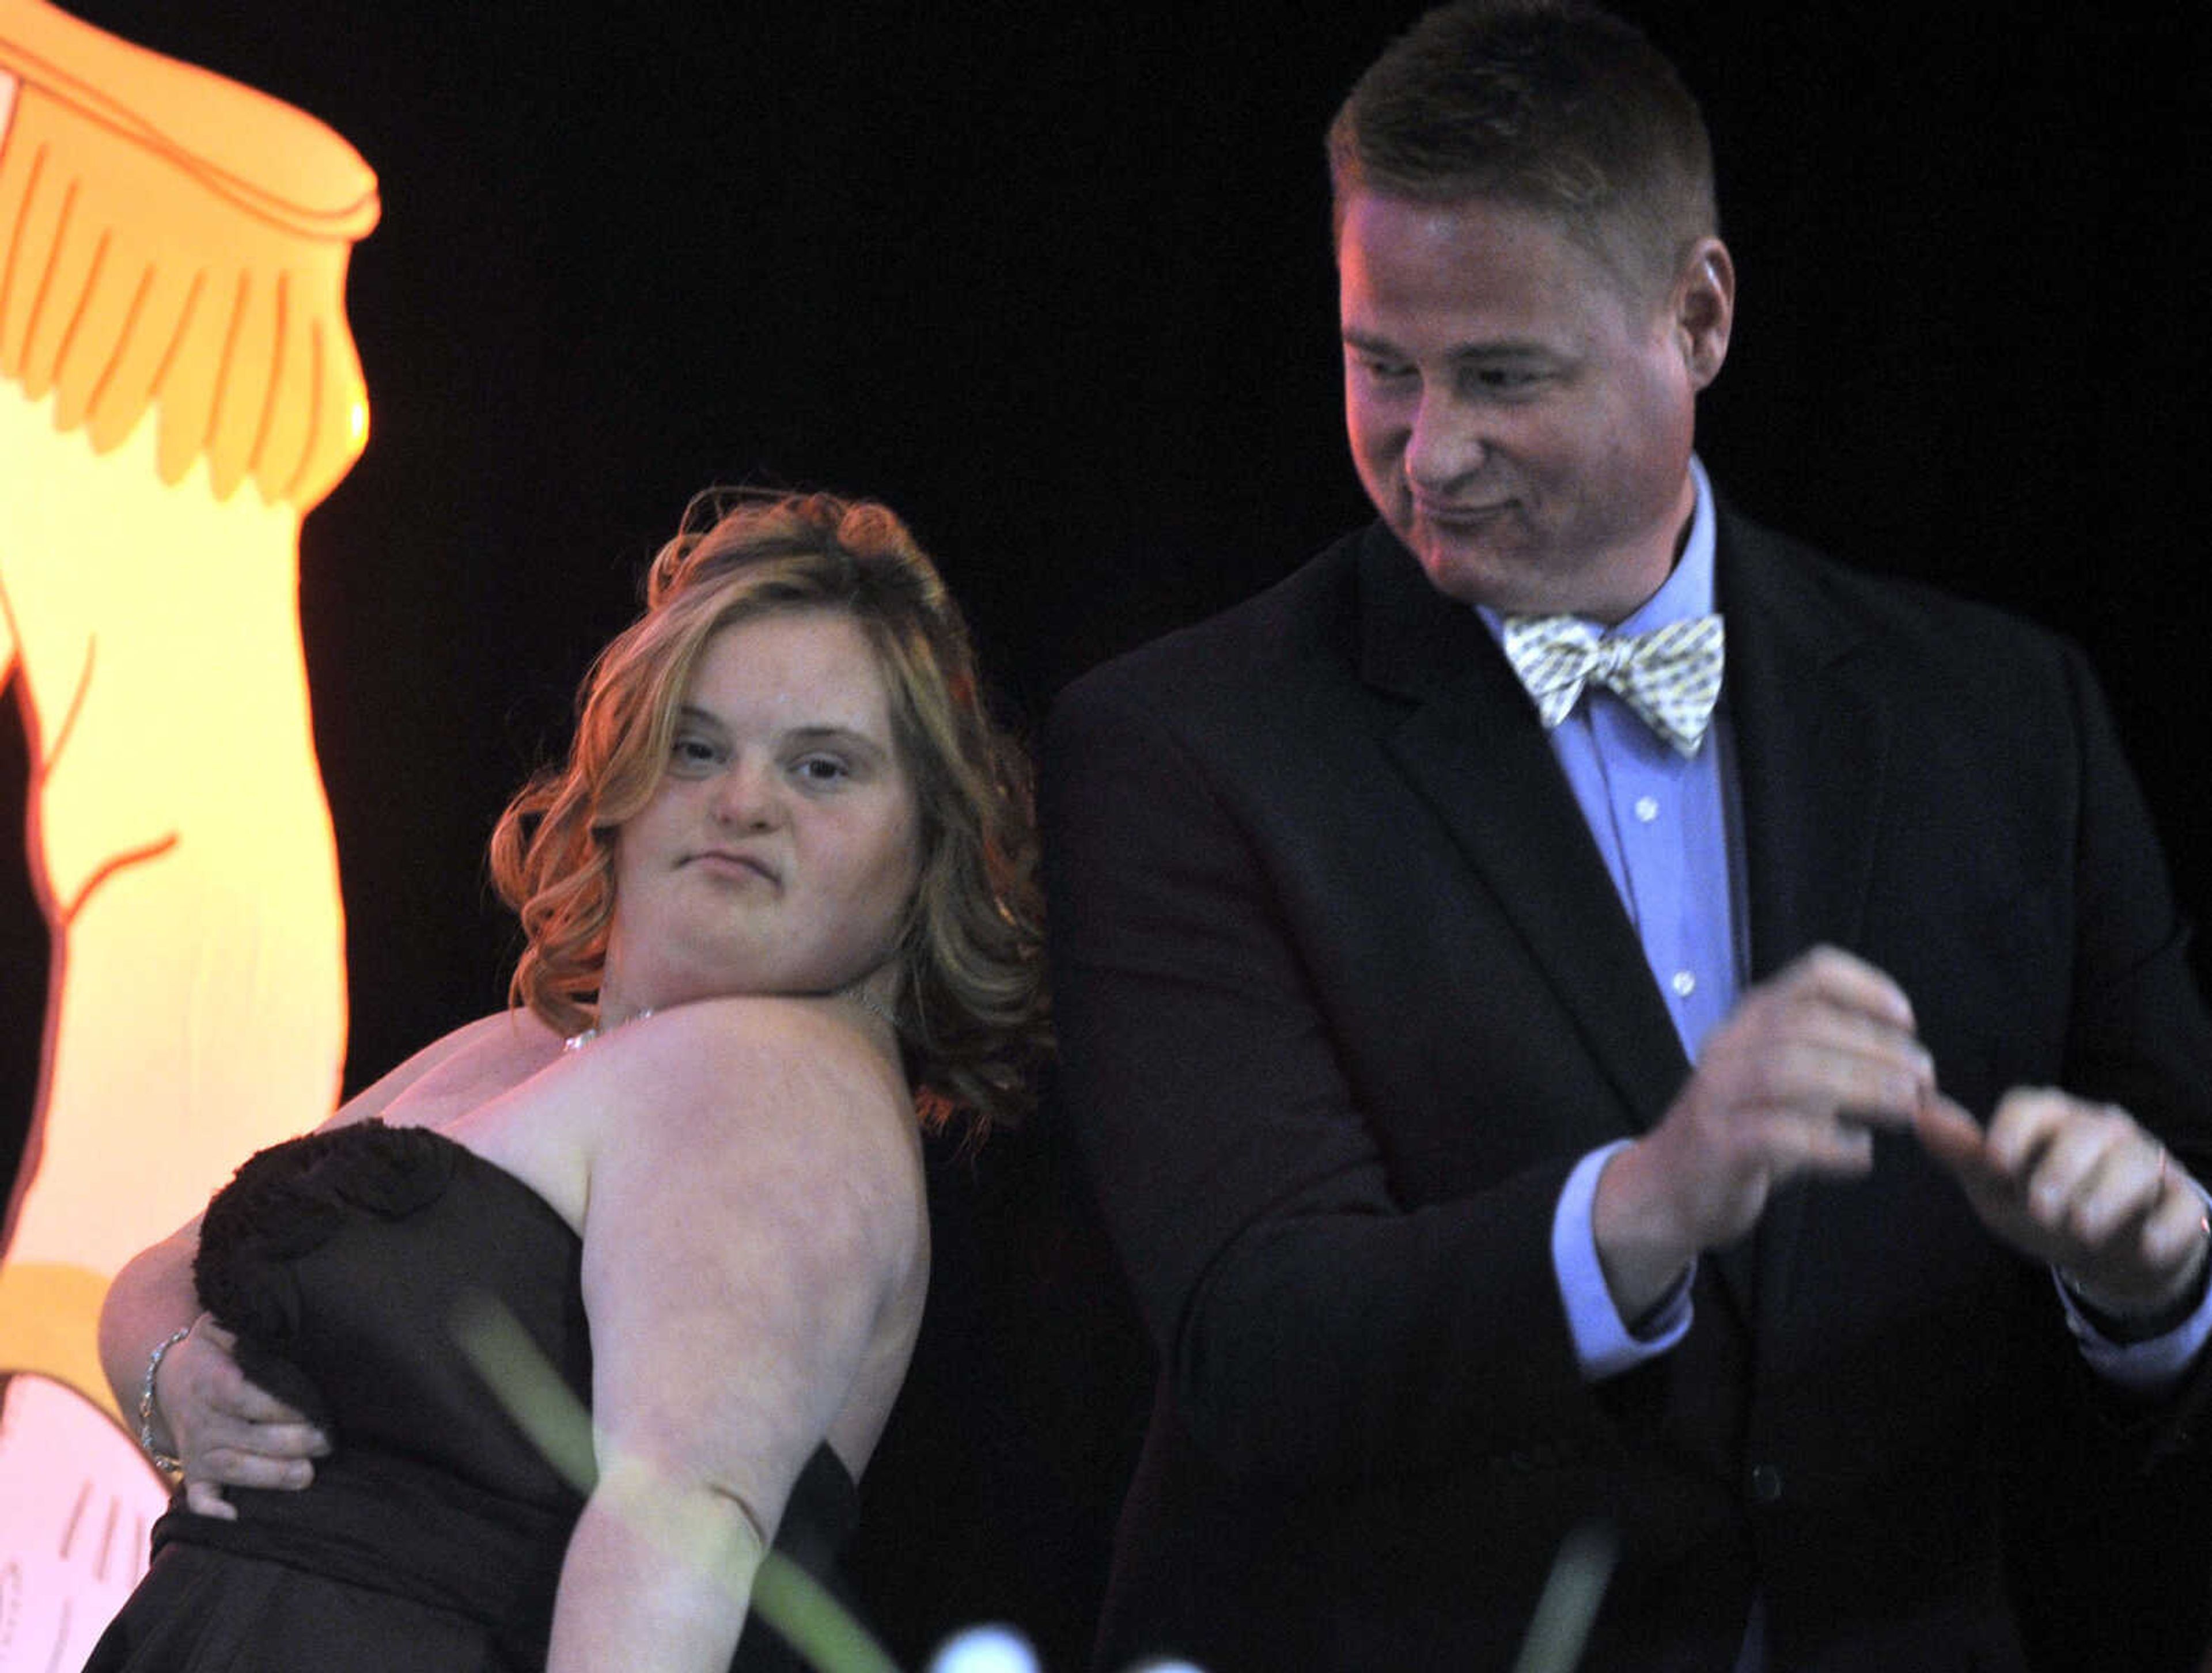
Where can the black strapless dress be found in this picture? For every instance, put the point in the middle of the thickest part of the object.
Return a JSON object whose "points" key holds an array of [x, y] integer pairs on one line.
{"points": [[433, 1535]]}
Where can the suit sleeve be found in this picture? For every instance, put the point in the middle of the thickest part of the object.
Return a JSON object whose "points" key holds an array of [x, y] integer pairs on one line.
{"points": [[2138, 1034], [1314, 1326]]}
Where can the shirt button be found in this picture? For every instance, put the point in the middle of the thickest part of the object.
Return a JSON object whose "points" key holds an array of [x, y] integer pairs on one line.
{"points": [[1685, 984], [1766, 1483], [1647, 809]]}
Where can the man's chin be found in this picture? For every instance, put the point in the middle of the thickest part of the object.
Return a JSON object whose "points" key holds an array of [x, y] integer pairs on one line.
{"points": [[1476, 572], [1520, 576]]}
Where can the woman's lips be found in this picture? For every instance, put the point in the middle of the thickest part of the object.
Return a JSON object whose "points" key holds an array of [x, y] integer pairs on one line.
{"points": [[732, 863]]}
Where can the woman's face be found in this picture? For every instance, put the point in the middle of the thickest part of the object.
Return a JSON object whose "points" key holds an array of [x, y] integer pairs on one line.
{"points": [[781, 844]]}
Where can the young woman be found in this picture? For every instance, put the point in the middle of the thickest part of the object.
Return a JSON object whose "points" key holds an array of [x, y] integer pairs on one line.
{"points": [[779, 897]]}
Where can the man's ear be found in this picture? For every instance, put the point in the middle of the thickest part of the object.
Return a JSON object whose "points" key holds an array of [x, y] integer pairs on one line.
{"points": [[1704, 308]]}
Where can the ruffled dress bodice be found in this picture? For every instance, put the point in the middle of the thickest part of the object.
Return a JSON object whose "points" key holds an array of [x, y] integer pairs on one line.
{"points": [[344, 1262]]}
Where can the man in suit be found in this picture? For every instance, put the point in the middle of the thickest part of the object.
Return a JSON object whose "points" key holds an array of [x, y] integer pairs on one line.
{"points": [[1703, 1098]]}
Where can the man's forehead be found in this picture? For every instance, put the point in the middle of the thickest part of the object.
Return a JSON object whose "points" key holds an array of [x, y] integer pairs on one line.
{"points": [[1395, 252]]}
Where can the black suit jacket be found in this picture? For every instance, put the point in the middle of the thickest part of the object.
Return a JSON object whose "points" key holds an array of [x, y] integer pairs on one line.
{"points": [[1345, 991]]}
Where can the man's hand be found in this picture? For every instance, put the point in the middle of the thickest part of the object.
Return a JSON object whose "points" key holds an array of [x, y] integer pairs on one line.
{"points": [[2081, 1186], [228, 1432], [1793, 1082]]}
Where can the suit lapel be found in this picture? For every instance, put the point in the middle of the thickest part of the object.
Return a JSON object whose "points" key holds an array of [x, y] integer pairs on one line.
{"points": [[1813, 731], [1813, 728], [1516, 819]]}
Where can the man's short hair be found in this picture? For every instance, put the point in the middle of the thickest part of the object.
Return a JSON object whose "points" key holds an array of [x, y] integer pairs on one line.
{"points": [[1552, 106]]}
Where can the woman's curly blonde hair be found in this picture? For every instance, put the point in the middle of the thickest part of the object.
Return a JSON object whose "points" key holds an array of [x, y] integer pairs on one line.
{"points": [[972, 1012]]}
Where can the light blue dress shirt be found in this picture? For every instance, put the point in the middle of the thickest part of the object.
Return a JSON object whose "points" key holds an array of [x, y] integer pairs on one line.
{"points": [[1667, 830]]}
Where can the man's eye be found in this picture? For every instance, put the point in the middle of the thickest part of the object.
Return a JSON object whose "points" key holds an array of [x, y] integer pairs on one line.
{"points": [[1504, 380]]}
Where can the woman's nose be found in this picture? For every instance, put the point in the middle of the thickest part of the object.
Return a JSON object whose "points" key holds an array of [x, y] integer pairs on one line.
{"points": [[746, 795]]}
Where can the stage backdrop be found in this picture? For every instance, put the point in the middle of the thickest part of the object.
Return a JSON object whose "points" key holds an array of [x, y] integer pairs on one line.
{"points": [[1056, 282]]}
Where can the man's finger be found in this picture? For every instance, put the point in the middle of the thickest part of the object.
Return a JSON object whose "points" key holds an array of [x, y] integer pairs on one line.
{"points": [[2177, 1225], [1822, 1078], [2027, 1120], [1849, 982], [1836, 1147], [1953, 1138], [2126, 1186]]}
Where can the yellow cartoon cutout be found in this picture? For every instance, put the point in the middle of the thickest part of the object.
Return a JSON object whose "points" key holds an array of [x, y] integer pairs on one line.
{"points": [[177, 388]]}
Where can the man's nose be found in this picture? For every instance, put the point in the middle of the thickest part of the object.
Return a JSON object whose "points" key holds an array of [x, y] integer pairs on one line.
{"points": [[1444, 446]]}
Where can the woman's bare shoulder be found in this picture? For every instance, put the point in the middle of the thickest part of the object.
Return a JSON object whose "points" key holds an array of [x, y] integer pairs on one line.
{"points": [[807, 1083], [495, 1050], [796, 1044]]}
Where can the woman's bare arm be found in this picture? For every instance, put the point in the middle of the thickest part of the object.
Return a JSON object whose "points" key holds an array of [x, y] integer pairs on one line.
{"points": [[754, 1238], [228, 1432]]}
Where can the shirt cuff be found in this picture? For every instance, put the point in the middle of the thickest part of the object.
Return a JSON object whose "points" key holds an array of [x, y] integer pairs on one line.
{"points": [[1605, 1345], [2149, 1366]]}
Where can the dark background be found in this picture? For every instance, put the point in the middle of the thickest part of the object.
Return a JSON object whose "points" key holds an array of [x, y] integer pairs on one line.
{"points": [[1055, 283]]}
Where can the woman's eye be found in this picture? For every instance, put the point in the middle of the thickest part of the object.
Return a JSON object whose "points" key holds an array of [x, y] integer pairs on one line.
{"points": [[822, 769], [694, 754]]}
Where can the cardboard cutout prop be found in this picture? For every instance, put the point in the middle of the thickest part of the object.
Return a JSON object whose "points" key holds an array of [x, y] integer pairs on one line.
{"points": [[177, 388]]}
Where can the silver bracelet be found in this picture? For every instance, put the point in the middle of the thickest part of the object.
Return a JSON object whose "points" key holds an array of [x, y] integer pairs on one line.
{"points": [[162, 1461]]}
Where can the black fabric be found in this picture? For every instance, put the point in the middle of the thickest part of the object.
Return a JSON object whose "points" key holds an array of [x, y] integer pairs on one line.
{"points": [[433, 1535], [1343, 990]]}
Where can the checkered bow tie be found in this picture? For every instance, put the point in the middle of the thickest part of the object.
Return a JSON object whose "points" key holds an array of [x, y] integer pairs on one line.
{"points": [[1670, 676]]}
